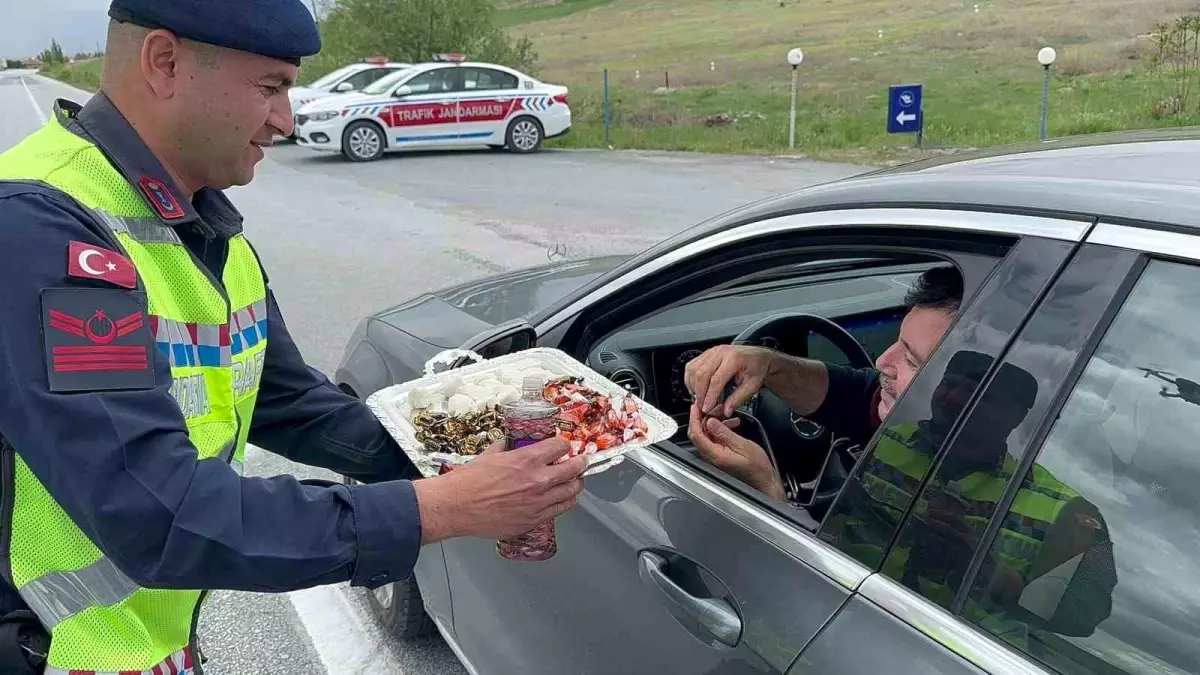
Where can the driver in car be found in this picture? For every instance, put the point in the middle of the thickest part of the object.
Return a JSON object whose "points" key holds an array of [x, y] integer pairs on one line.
{"points": [[1057, 530], [849, 402]]}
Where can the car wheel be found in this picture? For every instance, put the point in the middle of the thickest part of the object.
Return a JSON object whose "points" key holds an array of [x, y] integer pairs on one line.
{"points": [[399, 606], [525, 135], [363, 142]]}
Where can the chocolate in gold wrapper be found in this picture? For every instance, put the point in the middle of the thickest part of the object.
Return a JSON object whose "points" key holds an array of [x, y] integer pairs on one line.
{"points": [[468, 434]]}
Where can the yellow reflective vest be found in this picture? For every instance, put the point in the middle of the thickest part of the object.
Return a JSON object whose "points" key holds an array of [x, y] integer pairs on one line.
{"points": [[214, 337]]}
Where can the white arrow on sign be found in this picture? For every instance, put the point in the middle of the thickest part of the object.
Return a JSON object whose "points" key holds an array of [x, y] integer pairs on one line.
{"points": [[904, 118]]}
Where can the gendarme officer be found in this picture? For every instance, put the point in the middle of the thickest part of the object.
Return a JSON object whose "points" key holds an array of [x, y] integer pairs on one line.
{"points": [[141, 348]]}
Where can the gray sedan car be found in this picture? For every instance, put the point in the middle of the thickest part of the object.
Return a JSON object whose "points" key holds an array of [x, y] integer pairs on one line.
{"points": [[1074, 548]]}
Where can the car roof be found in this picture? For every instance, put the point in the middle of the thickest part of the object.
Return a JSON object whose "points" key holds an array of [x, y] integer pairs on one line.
{"points": [[1142, 176], [430, 65], [389, 64]]}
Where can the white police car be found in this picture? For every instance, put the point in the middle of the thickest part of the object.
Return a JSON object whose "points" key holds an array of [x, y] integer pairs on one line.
{"points": [[346, 79], [447, 102]]}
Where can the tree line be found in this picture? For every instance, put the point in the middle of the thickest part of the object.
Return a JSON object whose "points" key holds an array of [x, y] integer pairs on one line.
{"points": [[413, 31]]}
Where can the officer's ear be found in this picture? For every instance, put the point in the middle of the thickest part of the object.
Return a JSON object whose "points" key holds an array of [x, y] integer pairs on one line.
{"points": [[161, 57]]}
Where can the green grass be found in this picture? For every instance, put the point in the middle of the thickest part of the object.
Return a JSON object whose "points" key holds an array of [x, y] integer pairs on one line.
{"points": [[960, 113], [85, 75], [531, 13], [726, 57]]}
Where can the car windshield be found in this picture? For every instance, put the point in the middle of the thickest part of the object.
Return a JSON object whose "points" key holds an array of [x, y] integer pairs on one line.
{"points": [[386, 84], [330, 79]]}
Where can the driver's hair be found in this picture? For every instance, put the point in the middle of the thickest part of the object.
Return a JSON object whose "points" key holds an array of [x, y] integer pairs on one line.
{"points": [[940, 288]]}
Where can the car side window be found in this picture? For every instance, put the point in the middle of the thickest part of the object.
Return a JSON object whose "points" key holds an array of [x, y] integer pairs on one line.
{"points": [[1095, 567], [487, 79], [365, 77], [433, 82], [870, 512]]}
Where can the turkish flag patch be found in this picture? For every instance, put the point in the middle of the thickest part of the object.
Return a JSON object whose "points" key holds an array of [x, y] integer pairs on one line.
{"points": [[85, 261], [161, 198], [96, 339]]}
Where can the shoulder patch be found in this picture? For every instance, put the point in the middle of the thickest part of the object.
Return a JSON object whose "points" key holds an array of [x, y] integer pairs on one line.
{"points": [[96, 339], [97, 262]]}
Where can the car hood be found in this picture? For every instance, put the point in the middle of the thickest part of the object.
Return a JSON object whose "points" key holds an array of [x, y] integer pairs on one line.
{"points": [[450, 317]]}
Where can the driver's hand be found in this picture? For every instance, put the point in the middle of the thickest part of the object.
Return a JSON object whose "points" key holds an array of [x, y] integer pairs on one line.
{"points": [[707, 375], [741, 458]]}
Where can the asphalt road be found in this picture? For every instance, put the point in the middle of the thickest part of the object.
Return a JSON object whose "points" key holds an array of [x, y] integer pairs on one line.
{"points": [[342, 240]]}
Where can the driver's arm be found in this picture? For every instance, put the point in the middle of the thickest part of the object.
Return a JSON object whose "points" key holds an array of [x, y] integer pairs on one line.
{"points": [[849, 407], [838, 398], [802, 383]]}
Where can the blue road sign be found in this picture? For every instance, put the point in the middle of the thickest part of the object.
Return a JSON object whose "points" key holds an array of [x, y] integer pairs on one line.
{"points": [[904, 109]]}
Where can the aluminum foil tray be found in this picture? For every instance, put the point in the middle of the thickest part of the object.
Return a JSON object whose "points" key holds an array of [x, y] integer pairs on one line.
{"points": [[392, 408]]}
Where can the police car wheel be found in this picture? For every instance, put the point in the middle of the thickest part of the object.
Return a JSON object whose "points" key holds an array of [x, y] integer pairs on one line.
{"points": [[362, 142], [525, 135]]}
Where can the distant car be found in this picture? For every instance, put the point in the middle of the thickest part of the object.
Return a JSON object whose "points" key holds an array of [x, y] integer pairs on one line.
{"points": [[442, 103], [344, 80], [1079, 262]]}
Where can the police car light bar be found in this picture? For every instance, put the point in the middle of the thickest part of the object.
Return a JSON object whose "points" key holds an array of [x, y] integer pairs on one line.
{"points": [[377, 60], [450, 58]]}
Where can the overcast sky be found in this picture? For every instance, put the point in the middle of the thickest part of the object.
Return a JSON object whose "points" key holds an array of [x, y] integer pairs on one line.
{"points": [[27, 26]]}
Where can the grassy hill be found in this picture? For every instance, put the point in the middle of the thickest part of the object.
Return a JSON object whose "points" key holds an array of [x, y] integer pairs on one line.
{"points": [[725, 60], [729, 83]]}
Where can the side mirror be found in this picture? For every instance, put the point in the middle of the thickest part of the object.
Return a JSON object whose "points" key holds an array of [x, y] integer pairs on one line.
{"points": [[344, 87], [402, 91]]}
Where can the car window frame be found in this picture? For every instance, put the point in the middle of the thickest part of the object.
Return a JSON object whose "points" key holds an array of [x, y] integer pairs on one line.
{"points": [[364, 72], [456, 87], [1146, 243], [482, 69], [753, 509]]}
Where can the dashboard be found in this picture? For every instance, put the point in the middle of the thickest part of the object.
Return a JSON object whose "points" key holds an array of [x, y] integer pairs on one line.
{"points": [[650, 356]]}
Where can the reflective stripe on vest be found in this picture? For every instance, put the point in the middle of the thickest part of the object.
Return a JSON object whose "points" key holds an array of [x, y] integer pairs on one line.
{"points": [[57, 596], [897, 468], [214, 338]]}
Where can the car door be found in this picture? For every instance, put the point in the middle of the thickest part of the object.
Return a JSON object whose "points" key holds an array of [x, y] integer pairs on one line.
{"points": [[425, 110], [668, 565], [488, 98]]}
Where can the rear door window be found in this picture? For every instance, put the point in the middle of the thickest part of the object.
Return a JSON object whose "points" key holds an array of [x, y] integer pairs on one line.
{"points": [[1098, 573], [487, 79]]}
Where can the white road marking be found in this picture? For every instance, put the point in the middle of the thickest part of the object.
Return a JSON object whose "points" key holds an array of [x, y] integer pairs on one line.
{"points": [[338, 633], [337, 629], [33, 102]]}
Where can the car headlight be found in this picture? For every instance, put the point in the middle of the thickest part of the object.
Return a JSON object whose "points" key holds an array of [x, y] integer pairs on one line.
{"points": [[323, 116]]}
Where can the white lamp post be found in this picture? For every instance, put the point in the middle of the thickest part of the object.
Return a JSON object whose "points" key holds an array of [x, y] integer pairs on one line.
{"points": [[794, 57], [1046, 57]]}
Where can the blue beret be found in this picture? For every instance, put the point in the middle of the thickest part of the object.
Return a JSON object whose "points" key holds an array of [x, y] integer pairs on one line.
{"points": [[280, 29]]}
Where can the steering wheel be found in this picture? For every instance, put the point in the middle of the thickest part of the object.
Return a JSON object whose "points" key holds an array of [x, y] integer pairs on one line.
{"points": [[808, 446]]}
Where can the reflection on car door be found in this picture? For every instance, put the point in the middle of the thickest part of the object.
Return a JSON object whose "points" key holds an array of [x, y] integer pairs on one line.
{"points": [[429, 114], [659, 570], [488, 99], [910, 605]]}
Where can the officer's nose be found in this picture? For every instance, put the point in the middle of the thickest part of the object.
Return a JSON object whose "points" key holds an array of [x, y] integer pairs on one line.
{"points": [[281, 115]]}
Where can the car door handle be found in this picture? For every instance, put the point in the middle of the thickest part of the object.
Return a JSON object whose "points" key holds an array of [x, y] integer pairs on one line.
{"points": [[716, 616]]}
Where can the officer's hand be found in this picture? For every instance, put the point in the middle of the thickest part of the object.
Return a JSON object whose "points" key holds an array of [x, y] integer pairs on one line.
{"points": [[741, 458], [500, 493], [707, 375]]}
